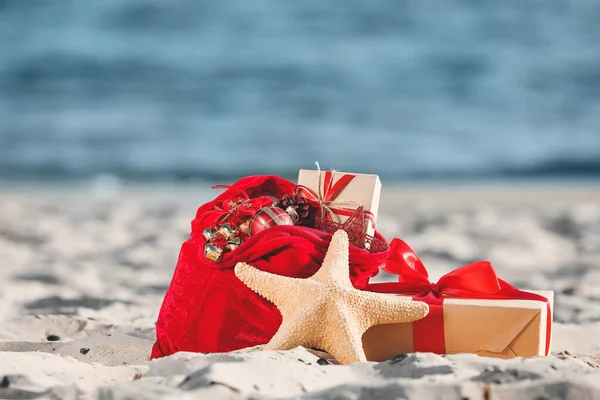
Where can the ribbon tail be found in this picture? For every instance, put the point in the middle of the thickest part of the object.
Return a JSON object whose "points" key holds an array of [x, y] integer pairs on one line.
{"points": [[335, 189]]}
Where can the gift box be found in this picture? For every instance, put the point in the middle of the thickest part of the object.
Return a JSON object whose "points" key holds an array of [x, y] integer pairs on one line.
{"points": [[339, 194], [471, 310], [490, 328]]}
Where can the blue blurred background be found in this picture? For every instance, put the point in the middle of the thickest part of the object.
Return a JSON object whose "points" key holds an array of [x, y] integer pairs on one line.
{"points": [[162, 91]]}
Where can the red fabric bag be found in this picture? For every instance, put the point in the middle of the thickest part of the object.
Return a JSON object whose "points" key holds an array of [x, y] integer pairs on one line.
{"points": [[207, 309]]}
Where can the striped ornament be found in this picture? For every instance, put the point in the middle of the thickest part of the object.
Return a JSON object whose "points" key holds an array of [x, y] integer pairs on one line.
{"points": [[268, 217]]}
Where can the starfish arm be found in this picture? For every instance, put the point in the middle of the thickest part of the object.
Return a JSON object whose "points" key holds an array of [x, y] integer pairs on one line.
{"points": [[389, 309], [299, 329], [336, 262], [346, 342], [275, 288], [287, 337]]}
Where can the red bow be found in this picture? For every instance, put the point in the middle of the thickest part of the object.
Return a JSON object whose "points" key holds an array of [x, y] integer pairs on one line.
{"points": [[234, 209], [323, 200], [477, 280], [244, 207]]}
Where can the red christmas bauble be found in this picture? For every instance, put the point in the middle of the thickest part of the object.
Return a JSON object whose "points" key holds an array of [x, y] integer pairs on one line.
{"points": [[268, 217]]}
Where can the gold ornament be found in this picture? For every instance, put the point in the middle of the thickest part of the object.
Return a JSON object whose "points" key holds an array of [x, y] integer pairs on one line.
{"points": [[212, 252], [233, 243], [216, 246], [208, 233], [228, 231], [325, 311]]}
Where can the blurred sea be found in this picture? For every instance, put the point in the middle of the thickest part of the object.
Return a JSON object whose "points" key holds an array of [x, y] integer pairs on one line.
{"points": [[184, 90]]}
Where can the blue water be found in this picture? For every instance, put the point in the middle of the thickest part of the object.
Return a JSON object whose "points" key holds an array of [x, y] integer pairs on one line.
{"points": [[183, 90]]}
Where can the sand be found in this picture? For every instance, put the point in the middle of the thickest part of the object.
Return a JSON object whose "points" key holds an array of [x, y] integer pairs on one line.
{"points": [[83, 272]]}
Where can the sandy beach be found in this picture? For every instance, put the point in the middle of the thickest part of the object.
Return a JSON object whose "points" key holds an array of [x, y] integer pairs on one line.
{"points": [[83, 273]]}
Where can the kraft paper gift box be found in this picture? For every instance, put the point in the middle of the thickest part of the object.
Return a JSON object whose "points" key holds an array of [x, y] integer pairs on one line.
{"points": [[490, 328], [343, 190]]}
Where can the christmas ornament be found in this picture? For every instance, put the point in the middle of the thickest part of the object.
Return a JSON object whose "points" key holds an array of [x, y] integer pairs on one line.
{"points": [[228, 231], [325, 311], [208, 233], [356, 228], [268, 217], [233, 243], [226, 238], [212, 252], [298, 208]]}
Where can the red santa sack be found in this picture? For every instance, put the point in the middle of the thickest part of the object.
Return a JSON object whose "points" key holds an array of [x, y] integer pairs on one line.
{"points": [[207, 309]]}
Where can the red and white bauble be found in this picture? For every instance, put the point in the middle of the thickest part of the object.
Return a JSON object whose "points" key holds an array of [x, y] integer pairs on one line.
{"points": [[268, 217]]}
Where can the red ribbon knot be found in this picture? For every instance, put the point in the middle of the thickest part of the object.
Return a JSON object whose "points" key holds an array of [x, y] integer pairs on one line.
{"points": [[433, 289]]}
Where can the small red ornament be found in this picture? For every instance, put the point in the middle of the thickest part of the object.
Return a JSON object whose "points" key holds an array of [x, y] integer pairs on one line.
{"points": [[268, 217]]}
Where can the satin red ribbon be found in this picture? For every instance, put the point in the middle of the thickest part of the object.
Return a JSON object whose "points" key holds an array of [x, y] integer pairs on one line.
{"points": [[477, 280], [323, 200]]}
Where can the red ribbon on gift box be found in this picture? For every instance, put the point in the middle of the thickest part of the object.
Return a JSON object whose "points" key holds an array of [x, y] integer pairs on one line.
{"points": [[327, 192], [477, 280]]}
